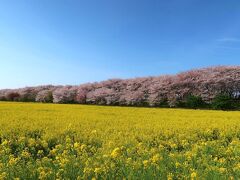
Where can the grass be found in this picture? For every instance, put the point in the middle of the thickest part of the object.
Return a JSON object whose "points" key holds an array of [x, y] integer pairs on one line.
{"points": [[53, 141]]}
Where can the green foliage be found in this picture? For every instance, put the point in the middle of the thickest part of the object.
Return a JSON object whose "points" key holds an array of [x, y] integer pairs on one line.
{"points": [[237, 104], [192, 102], [180, 104], [143, 104], [164, 103], [28, 97], [223, 102], [2, 98], [195, 102], [49, 97]]}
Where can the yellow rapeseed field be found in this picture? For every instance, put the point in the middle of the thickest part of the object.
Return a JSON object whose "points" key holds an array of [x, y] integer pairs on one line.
{"points": [[52, 141]]}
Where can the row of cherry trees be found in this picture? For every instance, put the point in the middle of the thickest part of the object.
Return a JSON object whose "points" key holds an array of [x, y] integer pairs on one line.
{"points": [[150, 91]]}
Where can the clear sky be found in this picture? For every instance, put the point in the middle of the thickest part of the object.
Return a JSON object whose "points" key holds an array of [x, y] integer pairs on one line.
{"points": [[77, 41]]}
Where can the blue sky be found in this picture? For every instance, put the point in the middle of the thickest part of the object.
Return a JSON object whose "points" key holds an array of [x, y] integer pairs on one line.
{"points": [[77, 41]]}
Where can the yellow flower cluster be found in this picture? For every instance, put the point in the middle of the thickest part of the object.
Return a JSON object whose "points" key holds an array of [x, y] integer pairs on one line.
{"points": [[47, 141]]}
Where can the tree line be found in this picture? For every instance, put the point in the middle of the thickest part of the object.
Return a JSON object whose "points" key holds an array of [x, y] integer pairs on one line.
{"points": [[212, 87]]}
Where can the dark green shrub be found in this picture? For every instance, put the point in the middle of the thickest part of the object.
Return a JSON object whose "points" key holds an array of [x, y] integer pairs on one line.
{"points": [[195, 102], [237, 104], [27, 97], [180, 104], [2, 98], [164, 103], [49, 98], [223, 102], [144, 104]]}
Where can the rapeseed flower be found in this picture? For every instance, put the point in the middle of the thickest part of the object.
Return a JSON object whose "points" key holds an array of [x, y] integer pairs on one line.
{"points": [[116, 153], [193, 175]]}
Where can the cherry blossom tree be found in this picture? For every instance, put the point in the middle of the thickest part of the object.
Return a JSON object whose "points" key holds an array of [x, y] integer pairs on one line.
{"points": [[206, 83], [66, 94], [45, 96]]}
